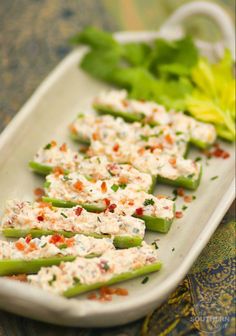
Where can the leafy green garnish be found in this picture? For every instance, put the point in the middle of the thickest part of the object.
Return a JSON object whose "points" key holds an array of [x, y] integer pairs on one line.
{"points": [[115, 187], [213, 99], [48, 146], [62, 246]]}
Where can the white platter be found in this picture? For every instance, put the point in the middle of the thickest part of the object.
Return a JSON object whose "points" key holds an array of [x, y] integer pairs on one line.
{"points": [[65, 93]]}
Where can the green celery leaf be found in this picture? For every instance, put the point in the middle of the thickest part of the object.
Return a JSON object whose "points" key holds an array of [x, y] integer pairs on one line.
{"points": [[136, 53]]}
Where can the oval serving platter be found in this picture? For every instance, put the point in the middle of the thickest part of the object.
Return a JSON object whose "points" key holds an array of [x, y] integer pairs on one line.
{"points": [[64, 93]]}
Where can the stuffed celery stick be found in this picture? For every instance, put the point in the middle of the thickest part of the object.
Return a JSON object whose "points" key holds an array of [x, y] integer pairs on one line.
{"points": [[170, 169], [28, 255], [82, 275], [60, 158], [108, 129], [76, 189], [117, 103], [23, 218]]}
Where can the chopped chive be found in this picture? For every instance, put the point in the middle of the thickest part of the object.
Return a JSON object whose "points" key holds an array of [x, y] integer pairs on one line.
{"points": [[115, 187], [198, 159], [155, 245], [50, 282], [99, 220], [173, 249], [76, 280], [123, 185], [44, 245], [62, 246], [148, 202], [48, 146], [214, 178], [145, 280], [184, 207], [64, 215]]}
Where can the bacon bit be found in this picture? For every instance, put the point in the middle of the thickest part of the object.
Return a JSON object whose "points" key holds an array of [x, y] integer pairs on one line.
{"points": [[116, 147], [104, 187], [19, 277], [40, 218], [92, 296], [121, 291], [178, 214], [73, 129], [141, 150], [63, 147], [70, 241], [20, 246], [131, 203], [107, 290], [56, 238], [53, 143], [78, 185], [125, 103], [105, 298], [45, 205], [78, 211], [160, 196], [58, 171], [107, 202], [96, 136], [39, 192], [220, 153], [32, 246], [139, 211], [157, 146], [169, 139], [123, 180], [28, 238], [180, 192], [112, 207], [172, 161], [188, 198]]}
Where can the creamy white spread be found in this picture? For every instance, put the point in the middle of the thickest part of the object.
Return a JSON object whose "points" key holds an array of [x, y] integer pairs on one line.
{"points": [[153, 161], [26, 215], [154, 113], [51, 246], [126, 200], [57, 279]]}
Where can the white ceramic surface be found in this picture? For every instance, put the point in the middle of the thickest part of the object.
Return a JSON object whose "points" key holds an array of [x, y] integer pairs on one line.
{"points": [[65, 93]]}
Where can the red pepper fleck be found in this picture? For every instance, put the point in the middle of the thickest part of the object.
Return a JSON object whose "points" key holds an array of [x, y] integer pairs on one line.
{"points": [[78, 211], [116, 147], [139, 211], [107, 202], [58, 171], [112, 207], [95, 136], [172, 161], [178, 214], [40, 218], [18, 277], [56, 238], [28, 238], [104, 187]]}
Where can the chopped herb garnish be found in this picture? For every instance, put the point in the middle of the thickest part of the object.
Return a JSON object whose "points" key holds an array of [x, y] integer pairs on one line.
{"points": [[62, 246], [44, 245], [76, 280], [66, 178], [115, 187], [155, 245], [194, 197], [80, 115], [99, 220], [106, 267], [148, 202], [48, 146], [144, 137], [173, 249], [178, 133], [123, 185], [214, 178], [98, 160], [64, 215], [198, 159], [54, 278], [145, 280], [184, 207]]}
